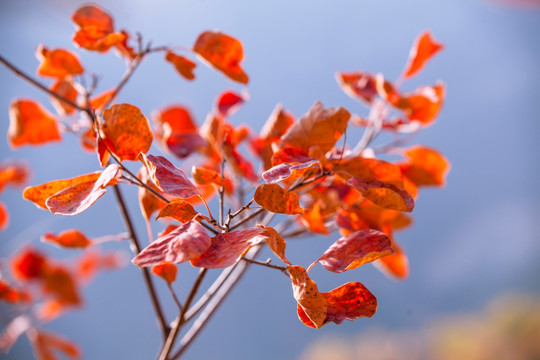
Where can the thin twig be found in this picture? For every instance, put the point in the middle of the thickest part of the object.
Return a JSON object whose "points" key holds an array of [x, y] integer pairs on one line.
{"points": [[267, 264], [175, 298]]}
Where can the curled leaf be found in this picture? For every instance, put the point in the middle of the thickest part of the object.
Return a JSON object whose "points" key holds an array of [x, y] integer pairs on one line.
{"points": [[80, 196], [223, 52], [424, 48], [204, 176], [275, 199], [229, 102], [276, 243], [228, 248], [178, 209], [183, 65], [72, 239], [289, 172], [167, 177], [355, 250], [57, 63], [306, 293], [182, 244], [95, 29], [358, 85], [30, 124]]}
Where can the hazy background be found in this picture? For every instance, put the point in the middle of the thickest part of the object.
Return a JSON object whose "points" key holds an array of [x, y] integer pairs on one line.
{"points": [[472, 241]]}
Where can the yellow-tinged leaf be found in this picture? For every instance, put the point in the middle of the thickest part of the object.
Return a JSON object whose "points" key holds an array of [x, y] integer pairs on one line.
{"points": [[275, 199], [276, 243], [307, 295], [178, 209], [30, 124]]}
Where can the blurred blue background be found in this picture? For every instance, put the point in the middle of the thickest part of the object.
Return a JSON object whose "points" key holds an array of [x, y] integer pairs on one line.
{"points": [[471, 241]]}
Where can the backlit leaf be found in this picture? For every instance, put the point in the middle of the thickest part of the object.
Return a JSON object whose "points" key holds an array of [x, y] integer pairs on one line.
{"points": [[313, 219], [57, 63], [347, 302], [223, 52], [368, 168], [72, 239], [426, 167], [358, 85], [126, 131], [45, 344], [30, 264], [80, 196], [424, 48], [289, 172], [240, 164], [95, 29], [229, 102], [204, 176], [40, 193], [423, 105], [91, 15], [276, 243], [383, 194], [13, 173], [306, 293], [59, 283], [169, 178], [395, 265], [182, 244], [178, 209], [148, 202], [65, 89], [12, 295], [166, 270], [275, 199], [4, 216], [183, 65], [228, 248], [355, 250], [30, 124], [92, 261], [319, 127]]}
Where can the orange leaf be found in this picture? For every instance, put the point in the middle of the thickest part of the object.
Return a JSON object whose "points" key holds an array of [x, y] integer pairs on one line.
{"points": [[289, 173], [347, 302], [223, 52], [423, 105], [91, 15], [169, 178], [93, 261], [276, 243], [59, 282], [40, 193], [99, 101], [383, 194], [65, 89], [367, 168], [28, 265], [229, 102], [126, 131], [275, 199], [313, 219], [57, 63], [178, 209], [13, 174], [30, 124], [71, 239], [426, 167], [80, 196], [95, 29], [319, 127], [204, 176], [166, 270], [239, 163], [306, 293], [365, 215], [12, 295], [183, 65], [395, 265], [424, 48], [355, 250], [4, 216], [182, 244], [45, 344], [228, 248], [358, 85]]}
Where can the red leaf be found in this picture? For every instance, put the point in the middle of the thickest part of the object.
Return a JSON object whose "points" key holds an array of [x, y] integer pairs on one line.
{"points": [[72, 239], [239, 163], [126, 131], [57, 63], [347, 302], [383, 194], [182, 244], [275, 199], [183, 65], [45, 344], [80, 196], [289, 173], [319, 127], [166, 270], [178, 209], [223, 52], [60, 283], [395, 265], [12, 295], [148, 202], [92, 262], [358, 85], [276, 243], [4, 216], [28, 265], [30, 124], [169, 178], [355, 250], [95, 29], [423, 49], [229, 102], [312, 304], [228, 248], [13, 174]]}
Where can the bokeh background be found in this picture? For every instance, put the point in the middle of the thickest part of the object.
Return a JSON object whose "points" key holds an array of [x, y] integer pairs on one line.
{"points": [[473, 242]]}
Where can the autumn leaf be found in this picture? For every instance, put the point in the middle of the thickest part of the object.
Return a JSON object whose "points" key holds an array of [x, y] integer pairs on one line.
{"points": [[148, 202], [95, 29], [11, 294], [80, 196], [45, 344], [4, 216], [223, 52], [72, 239], [126, 131], [229, 102], [178, 209], [166, 270], [319, 127], [13, 173], [275, 199], [358, 85], [59, 283], [57, 63], [204, 176], [306, 293], [66, 90], [182, 244], [289, 173], [28, 265], [99, 101], [168, 178], [355, 250], [425, 166], [183, 65], [347, 302], [240, 164], [395, 265], [423, 105], [423, 49], [228, 248], [383, 194], [368, 168], [276, 243], [313, 219], [30, 124], [94, 261], [366, 215]]}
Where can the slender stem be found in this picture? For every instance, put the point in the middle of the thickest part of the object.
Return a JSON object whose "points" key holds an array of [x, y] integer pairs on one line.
{"points": [[175, 298], [246, 219], [137, 249], [267, 264], [222, 187]]}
